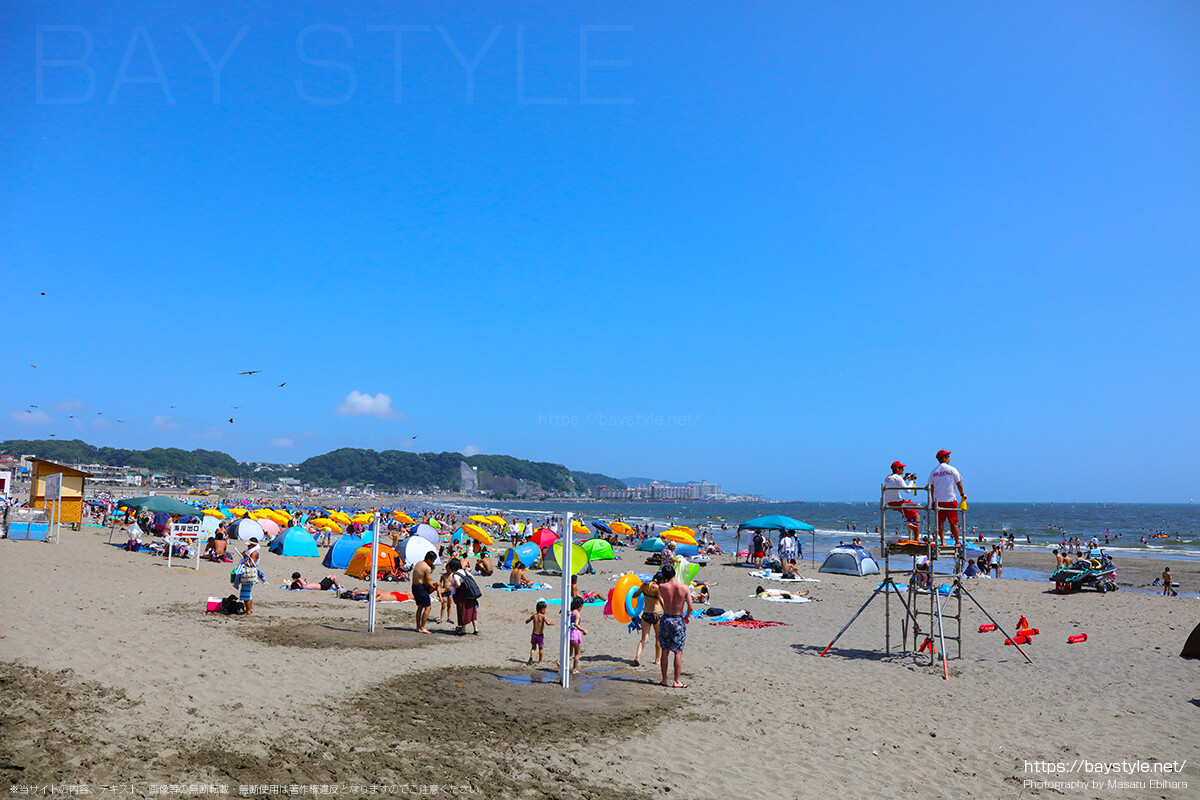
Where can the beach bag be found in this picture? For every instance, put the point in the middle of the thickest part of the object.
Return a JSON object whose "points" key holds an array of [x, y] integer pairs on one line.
{"points": [[468, 589], [231, 605]]}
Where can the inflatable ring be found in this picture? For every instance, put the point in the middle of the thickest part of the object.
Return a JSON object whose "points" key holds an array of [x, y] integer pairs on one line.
{"points": [[626, 585]]}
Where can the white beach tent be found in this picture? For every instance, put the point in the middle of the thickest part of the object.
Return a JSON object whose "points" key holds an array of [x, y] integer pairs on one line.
{"points": [[414, 548], [428, 533], [246, 529]]}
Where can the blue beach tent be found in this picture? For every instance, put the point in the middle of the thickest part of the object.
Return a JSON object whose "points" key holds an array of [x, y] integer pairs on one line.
{"points": [[295, 541], [849, 559], [341, 551], [528, 554]]}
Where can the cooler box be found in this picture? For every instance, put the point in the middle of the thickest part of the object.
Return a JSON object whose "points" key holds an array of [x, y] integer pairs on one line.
{"points": [[214, 604]]}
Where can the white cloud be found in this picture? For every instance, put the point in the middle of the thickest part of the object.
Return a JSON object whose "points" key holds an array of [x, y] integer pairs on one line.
{"points": [[34, 417], [358, 404], [165, 423], [69, 405], [471, 450], [282, 441]]}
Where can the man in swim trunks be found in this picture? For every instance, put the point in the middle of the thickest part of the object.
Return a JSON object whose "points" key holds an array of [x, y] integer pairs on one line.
{"points": [[947, 486], [895, 487], [422, 588], [676, 600]]}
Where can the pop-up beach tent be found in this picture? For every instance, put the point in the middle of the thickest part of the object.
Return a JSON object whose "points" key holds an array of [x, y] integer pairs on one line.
{"points": [[849, 559], [245, 529], [413, 549], [773, 522], [528, 554], [295, 541], [598, 550], [340, 552], [360, 562], [552, 558], [1191, 648]]}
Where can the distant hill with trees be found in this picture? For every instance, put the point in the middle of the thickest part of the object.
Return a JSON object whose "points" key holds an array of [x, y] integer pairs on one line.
{"points": [[389, 470]]}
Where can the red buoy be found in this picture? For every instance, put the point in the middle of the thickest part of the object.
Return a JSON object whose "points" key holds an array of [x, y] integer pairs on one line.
{"points": [[1077, 638], [1028, 632], [1017, 640], [987, 628]]}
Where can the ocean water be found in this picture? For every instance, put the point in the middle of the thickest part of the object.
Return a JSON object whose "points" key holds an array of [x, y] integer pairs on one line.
{"points": [[1045, 524]]}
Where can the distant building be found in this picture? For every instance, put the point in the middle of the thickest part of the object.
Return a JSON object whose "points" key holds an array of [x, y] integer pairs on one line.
{"points": [[469, 478]]}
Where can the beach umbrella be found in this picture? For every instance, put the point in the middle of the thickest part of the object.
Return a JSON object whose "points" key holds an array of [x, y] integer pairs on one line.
{"points": [[773, 522], [362, 519], [578, 527], [598, 550], [482, 520], [552, 558], [678, 535], [159, 504], [496, 520], [212, 512], [400, 516], [620, 528], [427, 533], [340, 517], [477, 533], [434, 523], [269, 526], [238, 512], [544, 538], [600, 526]]}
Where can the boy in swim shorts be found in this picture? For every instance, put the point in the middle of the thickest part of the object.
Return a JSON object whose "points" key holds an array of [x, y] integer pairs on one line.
{"points": [[537, 640]]}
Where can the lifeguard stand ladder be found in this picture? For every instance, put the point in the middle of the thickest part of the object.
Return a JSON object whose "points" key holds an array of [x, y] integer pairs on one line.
{"points": [[939, 624]]}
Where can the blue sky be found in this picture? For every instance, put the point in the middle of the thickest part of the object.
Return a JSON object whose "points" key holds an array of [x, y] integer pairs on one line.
{"points": [[774, 246]]}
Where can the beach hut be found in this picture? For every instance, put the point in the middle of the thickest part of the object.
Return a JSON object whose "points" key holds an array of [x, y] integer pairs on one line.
{"points": [[850, 559], [295, 541], [339, 554], [360, 562], [73, 482]]}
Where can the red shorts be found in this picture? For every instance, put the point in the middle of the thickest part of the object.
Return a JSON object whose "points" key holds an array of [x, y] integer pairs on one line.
{"points": [[909, 514], [948, 512], [759, 554]]}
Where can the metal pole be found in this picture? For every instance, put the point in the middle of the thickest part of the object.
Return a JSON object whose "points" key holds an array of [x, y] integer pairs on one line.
{"points": [[564, 625], [374, 573]]}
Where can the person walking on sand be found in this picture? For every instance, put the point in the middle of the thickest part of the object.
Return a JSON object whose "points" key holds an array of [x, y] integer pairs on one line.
{"points": [[676, 602], [248, 575], [947, 488], [467, 606], [896, 486], [650, 618], [423, 588]]}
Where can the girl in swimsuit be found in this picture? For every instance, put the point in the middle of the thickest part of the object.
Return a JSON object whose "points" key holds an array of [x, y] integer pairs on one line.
{"points": [[577, 633], [650, 619]]}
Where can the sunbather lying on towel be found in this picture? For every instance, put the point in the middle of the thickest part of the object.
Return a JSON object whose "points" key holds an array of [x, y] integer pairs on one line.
{"points": [[327, 583], [765, 593]]}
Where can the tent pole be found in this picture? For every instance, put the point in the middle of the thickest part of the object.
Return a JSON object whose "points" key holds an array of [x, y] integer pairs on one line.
{"points": [[564, 623]]}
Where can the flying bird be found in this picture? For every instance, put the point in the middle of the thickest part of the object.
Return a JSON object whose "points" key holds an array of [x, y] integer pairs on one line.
{"points": [[70, 416], [235, 408], [121, 421], [27, 411], [31, 405], [414, 437], [250, 372], [52, 434], [34, 366], [43, 294], [98, 413], [280, 386], [231, 420]]}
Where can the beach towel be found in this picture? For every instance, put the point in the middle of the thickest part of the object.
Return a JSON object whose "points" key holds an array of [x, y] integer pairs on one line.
{"points": [[537, 587], [778, 576], [785, 599], [750, 623]]}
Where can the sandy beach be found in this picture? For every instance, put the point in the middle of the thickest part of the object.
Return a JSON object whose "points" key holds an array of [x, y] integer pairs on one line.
{"points": [[114, 676]]}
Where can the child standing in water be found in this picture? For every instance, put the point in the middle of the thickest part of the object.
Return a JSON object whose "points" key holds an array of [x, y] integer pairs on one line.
{"points": [[537, 641], [577, 633]]}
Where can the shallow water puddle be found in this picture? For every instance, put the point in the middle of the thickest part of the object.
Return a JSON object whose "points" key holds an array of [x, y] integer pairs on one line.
{"points": [[581, 686]]}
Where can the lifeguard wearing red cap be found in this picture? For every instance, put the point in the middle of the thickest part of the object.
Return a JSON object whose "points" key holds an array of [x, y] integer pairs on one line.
{"points": [[897, 464], [941, 453]]}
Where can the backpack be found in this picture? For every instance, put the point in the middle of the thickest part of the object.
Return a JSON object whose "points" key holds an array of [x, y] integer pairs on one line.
{"points": [[468, 589], [232, 605]]}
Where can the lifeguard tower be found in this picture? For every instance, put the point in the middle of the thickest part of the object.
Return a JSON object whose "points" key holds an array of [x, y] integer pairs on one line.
{"points": [[931, 610]]}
